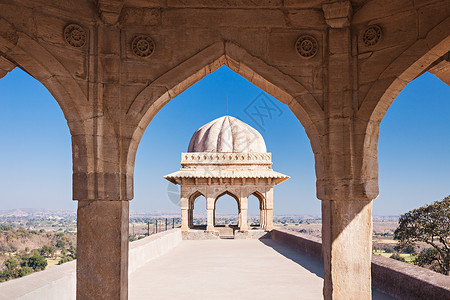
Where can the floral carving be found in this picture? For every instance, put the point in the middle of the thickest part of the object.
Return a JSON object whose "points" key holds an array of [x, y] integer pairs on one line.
{"points": [[307, 46], [143, 46], [75, 35], [372, 35]]}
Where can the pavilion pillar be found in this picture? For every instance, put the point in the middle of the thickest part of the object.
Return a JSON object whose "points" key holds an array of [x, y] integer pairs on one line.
{"points": [[269, 219], [210, 214], [102, 249], [243, 226], [239, 218], [263, 218], [184, 214], [268, 213]]}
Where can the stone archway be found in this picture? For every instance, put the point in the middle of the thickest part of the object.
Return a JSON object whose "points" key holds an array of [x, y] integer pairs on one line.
{"points": [[238, 204], [262, 206], [192, 198], [118, 91]]}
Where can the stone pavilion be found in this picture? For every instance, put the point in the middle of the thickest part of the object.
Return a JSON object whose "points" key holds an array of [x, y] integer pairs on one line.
{"points": [[226, 156]]}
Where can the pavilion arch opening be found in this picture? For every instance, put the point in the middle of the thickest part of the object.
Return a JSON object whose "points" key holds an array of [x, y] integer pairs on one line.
{"points": [[197, 214], [255, 210], [226, 210]]}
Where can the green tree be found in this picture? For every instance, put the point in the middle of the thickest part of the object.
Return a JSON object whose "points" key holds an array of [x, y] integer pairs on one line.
{"points": [[60, 243], [37, 262], [48, 251], [25, 271], [397, 256], [65, 259], [429, 224], [11, 264]]}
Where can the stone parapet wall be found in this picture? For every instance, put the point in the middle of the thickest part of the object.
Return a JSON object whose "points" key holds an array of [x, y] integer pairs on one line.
{"points": [[59, 282], [398, 279], [144, 250], [407, 281], [302, 242]]}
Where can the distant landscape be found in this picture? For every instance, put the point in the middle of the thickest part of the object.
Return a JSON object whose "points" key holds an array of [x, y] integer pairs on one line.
{"points": [[32, 240]]}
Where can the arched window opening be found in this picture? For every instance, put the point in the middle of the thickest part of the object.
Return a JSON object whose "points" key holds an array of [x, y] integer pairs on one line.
{"points": [[255, 208], [198, 212], [226, 211]]}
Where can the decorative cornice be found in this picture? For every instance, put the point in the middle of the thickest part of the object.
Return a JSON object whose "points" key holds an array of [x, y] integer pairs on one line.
{"points": [[201, 158]]}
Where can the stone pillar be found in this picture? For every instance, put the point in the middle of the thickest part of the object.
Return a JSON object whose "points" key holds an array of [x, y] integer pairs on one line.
{"points": [[347, 249], [243, 226], [239, 218], [263, 218], [268, 213], [269, 220], [102, 249], [346, 176], [184, 204], [210, 214]]}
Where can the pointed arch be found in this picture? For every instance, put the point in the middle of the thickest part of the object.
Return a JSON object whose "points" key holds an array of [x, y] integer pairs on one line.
{"points": [[281, 86], [405, 68], [229, 193], [27, 54]]}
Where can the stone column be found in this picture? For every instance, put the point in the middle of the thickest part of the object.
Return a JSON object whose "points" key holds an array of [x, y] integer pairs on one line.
{"points": [[347, 249], [243, 226], [102, 249], [210, 214], [263, 218], [239, 218], [347, 176], [184, 204], [268, 212], [269, 220]]}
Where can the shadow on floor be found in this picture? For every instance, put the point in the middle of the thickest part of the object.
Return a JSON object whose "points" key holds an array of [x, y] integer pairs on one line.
{"points": [[312, 264]]}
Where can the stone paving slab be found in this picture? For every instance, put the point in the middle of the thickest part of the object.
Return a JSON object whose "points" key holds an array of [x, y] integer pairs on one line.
{"points": [[230, 269]]}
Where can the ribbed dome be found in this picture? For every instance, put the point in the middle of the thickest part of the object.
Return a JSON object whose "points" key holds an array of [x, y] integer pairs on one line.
{"points": [[227, 134]]}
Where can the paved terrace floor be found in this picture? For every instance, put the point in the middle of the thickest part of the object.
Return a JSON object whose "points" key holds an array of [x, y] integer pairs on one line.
{"points": [[230, 269]]}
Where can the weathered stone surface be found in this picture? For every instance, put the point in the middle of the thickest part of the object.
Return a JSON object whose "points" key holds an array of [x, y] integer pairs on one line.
{"points": [[5, 66], [102, 249], [367, 51], [347, 248]]}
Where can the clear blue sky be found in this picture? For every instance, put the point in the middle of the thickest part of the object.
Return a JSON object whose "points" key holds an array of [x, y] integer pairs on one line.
{"points": [[36, 163]]}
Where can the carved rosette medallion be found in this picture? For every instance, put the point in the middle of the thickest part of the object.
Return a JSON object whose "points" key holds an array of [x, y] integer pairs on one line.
{"points": [[307, 46], [143, 46], [75, 35], [372, 35]]}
